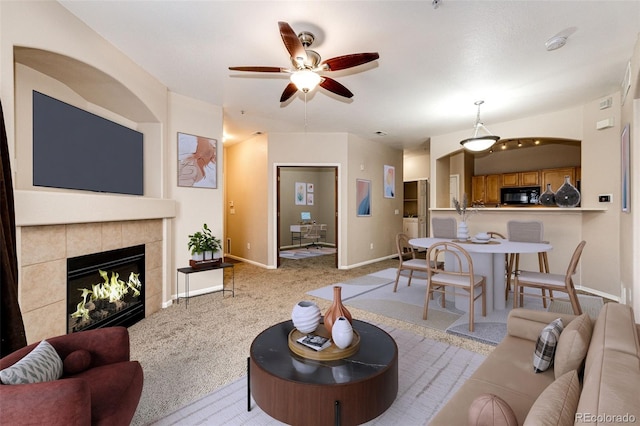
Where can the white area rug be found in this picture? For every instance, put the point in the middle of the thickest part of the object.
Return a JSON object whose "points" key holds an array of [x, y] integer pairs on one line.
{"points": [[408, 302], [305, 253], [429, 374]]}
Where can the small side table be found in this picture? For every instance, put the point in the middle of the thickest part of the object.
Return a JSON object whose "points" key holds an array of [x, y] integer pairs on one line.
{"points": [[189, 270]]}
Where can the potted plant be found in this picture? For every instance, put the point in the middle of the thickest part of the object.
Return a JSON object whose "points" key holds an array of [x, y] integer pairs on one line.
{"points": [[211, 243], [196, 245]]}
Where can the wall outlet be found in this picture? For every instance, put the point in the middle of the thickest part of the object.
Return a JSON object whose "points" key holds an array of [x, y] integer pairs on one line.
{"points": [[623, 296], [371, 246], [605, 198], [248, 246]]}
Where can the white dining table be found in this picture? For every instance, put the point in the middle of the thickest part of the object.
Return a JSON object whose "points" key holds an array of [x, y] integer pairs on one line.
{"points": [[488, 260]]}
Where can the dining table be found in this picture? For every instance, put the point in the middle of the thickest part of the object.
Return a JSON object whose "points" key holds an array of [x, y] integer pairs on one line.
{"points": [[488, 260]]}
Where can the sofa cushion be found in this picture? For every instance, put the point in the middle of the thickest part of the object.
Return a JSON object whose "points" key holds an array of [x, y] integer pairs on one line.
{"points": [[546, 346], [42, 364], [77, 361], [489, 409], [557, 404], [572, 345]]}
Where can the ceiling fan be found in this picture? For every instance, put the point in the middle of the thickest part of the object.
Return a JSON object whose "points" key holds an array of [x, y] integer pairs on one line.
{"points": [[307, 64]]}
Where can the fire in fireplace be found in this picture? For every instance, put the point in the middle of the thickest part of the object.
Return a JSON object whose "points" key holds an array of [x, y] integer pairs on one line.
{"points": [[105, 289]]}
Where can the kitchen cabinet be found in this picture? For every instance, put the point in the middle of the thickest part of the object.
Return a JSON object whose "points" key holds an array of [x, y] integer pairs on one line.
{"points": [[555, 177], [492, 189], [478, 184], [530, 178], [486, 189]]}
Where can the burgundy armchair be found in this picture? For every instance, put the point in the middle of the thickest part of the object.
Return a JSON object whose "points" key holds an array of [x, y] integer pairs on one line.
{"points": [[104, 388]]}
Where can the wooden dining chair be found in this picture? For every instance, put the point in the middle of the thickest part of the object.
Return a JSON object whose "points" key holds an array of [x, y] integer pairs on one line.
{"points": [[551, 282], [460, 277], [507, 267], [525, 232], [444, 227], [407, 259]]}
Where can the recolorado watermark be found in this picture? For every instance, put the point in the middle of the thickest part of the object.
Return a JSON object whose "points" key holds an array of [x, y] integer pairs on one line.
{"points": [[605, 418]]}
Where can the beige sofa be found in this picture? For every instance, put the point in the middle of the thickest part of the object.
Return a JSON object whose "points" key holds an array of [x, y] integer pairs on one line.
{"points": [[601, 388]]}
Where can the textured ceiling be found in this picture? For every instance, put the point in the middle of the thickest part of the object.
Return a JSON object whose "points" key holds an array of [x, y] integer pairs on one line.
{"points": [[434, 62]]}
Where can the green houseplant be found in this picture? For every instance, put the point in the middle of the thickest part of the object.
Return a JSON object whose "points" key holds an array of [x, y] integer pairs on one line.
{"points": [[203, 244], [211, 242]]}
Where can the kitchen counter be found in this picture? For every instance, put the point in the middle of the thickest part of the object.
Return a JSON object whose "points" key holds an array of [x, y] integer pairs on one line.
{"points": [[537, 209]]}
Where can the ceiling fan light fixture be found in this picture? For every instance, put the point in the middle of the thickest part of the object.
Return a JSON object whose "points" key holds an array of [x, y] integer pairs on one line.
{"points": [[305, 80], [478, 143]]}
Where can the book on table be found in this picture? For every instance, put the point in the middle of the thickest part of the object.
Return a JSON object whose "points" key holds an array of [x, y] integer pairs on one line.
{"points": [[315, 342]]}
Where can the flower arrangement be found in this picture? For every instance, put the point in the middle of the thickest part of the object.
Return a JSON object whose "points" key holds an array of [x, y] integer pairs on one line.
{"points": [[461, 208]]}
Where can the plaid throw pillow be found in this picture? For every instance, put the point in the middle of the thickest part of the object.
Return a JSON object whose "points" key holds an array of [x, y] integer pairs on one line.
{"points": [[546, 346]]}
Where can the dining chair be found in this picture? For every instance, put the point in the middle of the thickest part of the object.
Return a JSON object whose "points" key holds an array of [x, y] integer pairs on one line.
{"points": [[456, 277], [551, 282], [507, 268], [407, 258], [525, 232], [444, 227]]}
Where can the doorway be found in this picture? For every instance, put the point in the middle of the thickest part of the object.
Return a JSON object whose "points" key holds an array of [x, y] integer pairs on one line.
{"points": [[306, 195]]}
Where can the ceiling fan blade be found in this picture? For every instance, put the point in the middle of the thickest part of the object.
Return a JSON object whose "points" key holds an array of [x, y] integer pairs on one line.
{"points": [[259, 69], [292, 43], [335, 87], [289, 91], [348, 61]]}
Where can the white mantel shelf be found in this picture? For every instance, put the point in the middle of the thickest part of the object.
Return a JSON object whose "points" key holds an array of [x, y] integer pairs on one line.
{"points": [[527, 210], [35, 208]]}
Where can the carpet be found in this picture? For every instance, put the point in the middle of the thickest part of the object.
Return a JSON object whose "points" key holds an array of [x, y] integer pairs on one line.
{"points": [[408, 302], [305, 253], [429, 372]]}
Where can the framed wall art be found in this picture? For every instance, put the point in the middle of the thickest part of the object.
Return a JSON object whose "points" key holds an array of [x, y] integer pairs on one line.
{"points": [[363, 197], [301, 194], [389, 182], [197, 161]]}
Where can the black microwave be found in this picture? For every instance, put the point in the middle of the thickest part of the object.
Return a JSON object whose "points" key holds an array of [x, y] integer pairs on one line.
{"points": [[522, 195]]}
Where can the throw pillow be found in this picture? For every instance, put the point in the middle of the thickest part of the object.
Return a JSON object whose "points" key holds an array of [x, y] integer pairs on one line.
{"points": [[557, 404], [546, 346], [77, 362], [573, 345], [489, 409], [42, 364]]}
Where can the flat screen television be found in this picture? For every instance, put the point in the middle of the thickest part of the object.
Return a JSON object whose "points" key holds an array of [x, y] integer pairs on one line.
{"points": [[75, 149]]}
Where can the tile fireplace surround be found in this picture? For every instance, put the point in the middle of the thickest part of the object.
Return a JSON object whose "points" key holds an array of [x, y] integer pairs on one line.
{"points": [[43, 267]]}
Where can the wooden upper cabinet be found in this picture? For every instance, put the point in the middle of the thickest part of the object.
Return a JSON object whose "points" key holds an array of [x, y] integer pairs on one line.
{"points": [[529, 178], [478, 188], [555, 177], [510, 179], [521, 179], [492, 189]]}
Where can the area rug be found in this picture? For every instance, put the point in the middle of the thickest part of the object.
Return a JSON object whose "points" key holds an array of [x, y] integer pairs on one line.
{"points": [[429, 373], [408, 302], [305, 253]]}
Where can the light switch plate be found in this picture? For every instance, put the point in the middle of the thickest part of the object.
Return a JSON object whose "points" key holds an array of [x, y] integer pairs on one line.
{"points": [[605, 198]]}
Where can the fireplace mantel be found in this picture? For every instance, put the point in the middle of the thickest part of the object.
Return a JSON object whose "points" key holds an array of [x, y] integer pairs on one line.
{"points": [[35, 208]]}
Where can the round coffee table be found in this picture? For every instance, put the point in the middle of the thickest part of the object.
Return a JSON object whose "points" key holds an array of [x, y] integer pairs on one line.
{"points": [[301, 391]]}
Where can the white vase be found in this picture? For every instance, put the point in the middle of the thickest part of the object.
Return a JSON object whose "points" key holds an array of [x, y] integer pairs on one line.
{"points": [[306, 316], [197, 256], [342, 333], [217, 254], [463, 231], [208, 255]]}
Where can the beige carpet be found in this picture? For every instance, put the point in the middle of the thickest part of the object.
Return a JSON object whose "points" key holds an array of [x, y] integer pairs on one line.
{"points": [[429, 373], [188, 353]]}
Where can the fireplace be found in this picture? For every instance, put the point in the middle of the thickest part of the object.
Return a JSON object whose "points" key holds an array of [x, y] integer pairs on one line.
{"points": [[105, 289]]}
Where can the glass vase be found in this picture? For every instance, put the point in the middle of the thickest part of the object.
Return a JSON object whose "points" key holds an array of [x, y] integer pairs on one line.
{"points": [[547, 198], [567, 195]]}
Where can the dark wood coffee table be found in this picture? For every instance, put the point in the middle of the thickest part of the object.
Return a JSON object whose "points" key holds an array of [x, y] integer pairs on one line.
{"points": [[301, 391]]}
